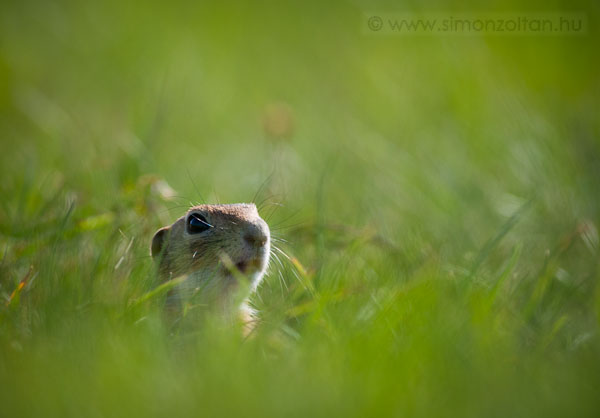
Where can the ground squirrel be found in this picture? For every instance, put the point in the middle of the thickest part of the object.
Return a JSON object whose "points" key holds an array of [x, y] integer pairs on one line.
{"points": [[214, 246]]}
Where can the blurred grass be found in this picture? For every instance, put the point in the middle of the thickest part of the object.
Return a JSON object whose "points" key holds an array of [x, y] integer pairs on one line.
{"points": [[439, 198]]}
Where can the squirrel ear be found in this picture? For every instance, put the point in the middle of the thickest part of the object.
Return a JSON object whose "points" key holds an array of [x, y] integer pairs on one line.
{"points": [[158, 241]]}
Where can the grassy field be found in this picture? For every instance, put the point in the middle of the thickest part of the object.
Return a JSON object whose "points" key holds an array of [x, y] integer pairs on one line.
{"points": [[437, 199]]}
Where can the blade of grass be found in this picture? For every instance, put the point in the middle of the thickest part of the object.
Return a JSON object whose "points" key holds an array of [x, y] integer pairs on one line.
{"points": [[493, 242]]}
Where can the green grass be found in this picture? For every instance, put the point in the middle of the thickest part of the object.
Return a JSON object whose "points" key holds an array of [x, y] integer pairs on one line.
{"points": [[439, 198]]}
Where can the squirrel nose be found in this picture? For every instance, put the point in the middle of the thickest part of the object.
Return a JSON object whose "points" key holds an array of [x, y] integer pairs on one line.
{"points": [[256, 236]]}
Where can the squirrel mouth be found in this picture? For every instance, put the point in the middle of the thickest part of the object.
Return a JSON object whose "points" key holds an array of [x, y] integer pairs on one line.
{"points": [[249, 266], [242, 266]]}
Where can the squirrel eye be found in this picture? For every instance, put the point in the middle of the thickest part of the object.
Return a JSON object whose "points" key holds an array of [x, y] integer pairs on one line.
{"points": [[197, 224]]}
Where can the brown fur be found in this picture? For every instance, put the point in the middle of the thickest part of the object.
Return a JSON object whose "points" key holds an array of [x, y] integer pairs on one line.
{"points": [[236, 245]]}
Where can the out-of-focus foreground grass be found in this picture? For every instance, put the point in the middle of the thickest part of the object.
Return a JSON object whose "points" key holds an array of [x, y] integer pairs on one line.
{"points": [[439, 198]]}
